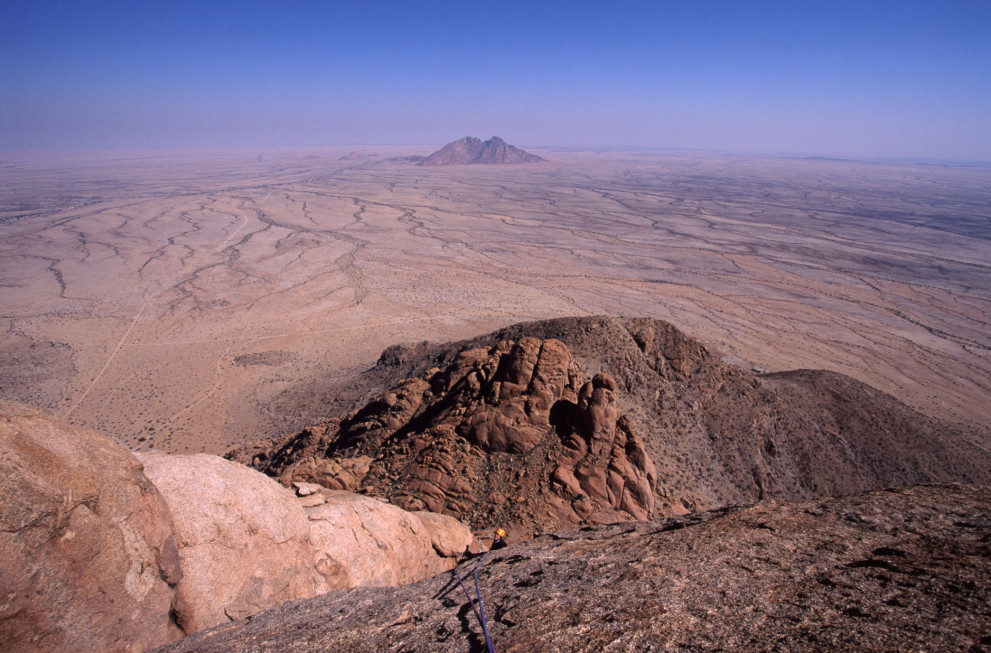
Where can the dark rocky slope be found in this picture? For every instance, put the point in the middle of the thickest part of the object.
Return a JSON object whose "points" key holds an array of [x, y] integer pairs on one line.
{"points": [[897, 570], [507, 429], [473, 150]]}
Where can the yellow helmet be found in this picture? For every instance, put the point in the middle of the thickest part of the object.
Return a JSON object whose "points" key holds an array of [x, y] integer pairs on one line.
{"points": [[501, 533]]}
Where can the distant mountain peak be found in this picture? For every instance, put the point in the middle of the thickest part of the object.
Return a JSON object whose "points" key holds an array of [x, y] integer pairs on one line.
{"points": [[473, 150]]}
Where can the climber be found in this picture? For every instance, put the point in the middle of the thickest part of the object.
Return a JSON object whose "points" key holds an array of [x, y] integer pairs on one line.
{"points": [[499, 541]]}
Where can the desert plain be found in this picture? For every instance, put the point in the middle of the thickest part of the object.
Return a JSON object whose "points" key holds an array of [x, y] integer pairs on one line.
{"points": [[189, 302]]}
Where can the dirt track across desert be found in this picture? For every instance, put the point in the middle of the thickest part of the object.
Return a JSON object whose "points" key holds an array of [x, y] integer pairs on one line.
{"points": [[181, 302]]}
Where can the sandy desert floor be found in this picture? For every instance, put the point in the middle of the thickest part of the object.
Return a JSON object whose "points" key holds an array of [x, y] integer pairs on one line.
{"points": [[180, 301]]}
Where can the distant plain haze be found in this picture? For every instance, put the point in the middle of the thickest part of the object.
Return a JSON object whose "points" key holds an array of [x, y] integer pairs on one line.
{"points": [[862, 78]]}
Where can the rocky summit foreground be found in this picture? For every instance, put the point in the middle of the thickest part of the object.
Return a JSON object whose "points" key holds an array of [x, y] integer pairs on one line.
{"points": [[101, 552], [894, 570]]}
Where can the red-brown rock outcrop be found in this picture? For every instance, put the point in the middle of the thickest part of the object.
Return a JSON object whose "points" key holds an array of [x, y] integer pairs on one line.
{"points": [[502, 433], [511, 434], [472, 150], [87, 557]]}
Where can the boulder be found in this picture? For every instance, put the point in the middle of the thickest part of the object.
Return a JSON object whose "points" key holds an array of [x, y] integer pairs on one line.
{"points": [[244, 542], [360, 541], [449, 537], [87, 557]]}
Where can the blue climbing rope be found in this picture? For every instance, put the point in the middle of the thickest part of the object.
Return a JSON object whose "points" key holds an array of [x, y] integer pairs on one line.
{"points": [[471, 601], [480, 610], [481, 606]]}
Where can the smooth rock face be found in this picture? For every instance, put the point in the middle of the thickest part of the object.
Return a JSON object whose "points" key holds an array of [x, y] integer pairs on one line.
{"points": [[87, 558], [244, 543], [449, 537], [247, 543], [898, 570], [360, 541]]}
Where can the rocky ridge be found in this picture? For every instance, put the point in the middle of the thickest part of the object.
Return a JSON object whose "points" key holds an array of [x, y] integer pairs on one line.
{"points": [[507, 429], [893, 570], [470, 150]]}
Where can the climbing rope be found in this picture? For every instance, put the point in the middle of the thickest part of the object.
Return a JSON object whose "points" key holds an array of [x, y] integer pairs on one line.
{"points": [[480, 609]]}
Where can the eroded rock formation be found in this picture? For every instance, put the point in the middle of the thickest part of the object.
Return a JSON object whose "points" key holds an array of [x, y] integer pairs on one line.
{"points": [[511, 434], [492, 435], [87, 557]]}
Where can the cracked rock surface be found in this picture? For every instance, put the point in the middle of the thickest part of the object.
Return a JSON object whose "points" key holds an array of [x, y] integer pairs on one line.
{"points": [[360, 541], [896, 570], [244, 543], [87, 557]]}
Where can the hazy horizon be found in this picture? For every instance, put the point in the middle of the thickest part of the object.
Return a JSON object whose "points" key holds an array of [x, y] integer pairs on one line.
{"points": [[905, 80]]}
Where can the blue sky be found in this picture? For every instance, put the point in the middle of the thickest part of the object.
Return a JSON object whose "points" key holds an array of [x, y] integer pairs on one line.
{"points": [[865, 78]]}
